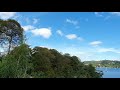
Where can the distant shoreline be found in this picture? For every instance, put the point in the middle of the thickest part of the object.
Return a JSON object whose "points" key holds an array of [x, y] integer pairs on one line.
{"points": [[104, 63], [106, 67]]}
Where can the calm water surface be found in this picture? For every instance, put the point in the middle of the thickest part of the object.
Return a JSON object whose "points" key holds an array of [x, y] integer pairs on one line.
{"points": [[110, 72]]}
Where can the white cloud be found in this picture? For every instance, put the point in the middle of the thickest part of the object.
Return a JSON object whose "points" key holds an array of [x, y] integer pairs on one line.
{"points": [[71, 36], [80, 39], [35, 21], [72, 21], [99, 14], [59, 32], [96, 13], [95, 43], [108, 50], [44, 32], [28, 27], [16, 17], [115, 13], [74, 36], [7, 15]]}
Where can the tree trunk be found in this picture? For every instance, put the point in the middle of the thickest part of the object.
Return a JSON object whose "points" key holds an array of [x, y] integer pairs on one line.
{"points": [[25, 72], [9, 47]]}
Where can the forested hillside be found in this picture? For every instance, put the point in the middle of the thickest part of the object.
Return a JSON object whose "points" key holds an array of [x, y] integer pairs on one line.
{"points": [[104, 63], [20, 61]]}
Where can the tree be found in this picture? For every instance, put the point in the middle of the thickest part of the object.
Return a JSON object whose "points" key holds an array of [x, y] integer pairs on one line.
{"points": [[17, 64], [11, 34], [41, 62]]}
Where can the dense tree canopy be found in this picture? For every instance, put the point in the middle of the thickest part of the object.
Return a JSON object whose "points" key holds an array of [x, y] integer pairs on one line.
{"points": [[11, 34], [17, 63], [41, 62]]}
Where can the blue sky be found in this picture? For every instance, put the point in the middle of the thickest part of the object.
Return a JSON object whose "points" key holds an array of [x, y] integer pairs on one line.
{"points": [[88, 35]]}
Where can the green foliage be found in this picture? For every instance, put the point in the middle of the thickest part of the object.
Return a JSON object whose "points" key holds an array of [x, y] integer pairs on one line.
{"points": [[23, 62], [11, 34], [49, 63], [17, 63]]}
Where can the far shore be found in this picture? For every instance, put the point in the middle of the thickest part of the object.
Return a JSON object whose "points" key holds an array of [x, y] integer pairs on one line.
{"points": [[107, 67]]}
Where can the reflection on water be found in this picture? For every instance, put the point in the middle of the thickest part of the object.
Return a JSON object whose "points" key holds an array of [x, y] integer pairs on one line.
{"points": [[110, 72]]}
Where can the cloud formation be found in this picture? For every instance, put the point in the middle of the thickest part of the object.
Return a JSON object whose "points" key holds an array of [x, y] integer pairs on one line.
{"points": [[80, 39], [44, 32], [115, 13], [72, 21], [108, 50], [7, 15], [28, 27], [99, 14], [35, 21], [59, 32], [95, 43], [74, 36], [71, 36]]}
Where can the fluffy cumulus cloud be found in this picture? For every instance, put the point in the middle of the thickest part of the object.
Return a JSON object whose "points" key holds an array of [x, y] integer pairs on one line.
{"points": [[59, 32], [74, 36], [28, 27], [71, 36], [7, 15], [95, 43], [72, 21], [44, 32]]}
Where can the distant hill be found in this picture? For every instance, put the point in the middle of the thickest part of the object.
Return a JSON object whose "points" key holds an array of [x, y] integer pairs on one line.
{"points": [[104, 63]]}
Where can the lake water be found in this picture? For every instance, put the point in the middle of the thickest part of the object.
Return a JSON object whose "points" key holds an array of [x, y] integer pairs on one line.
{"points": [[110, 72]]}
